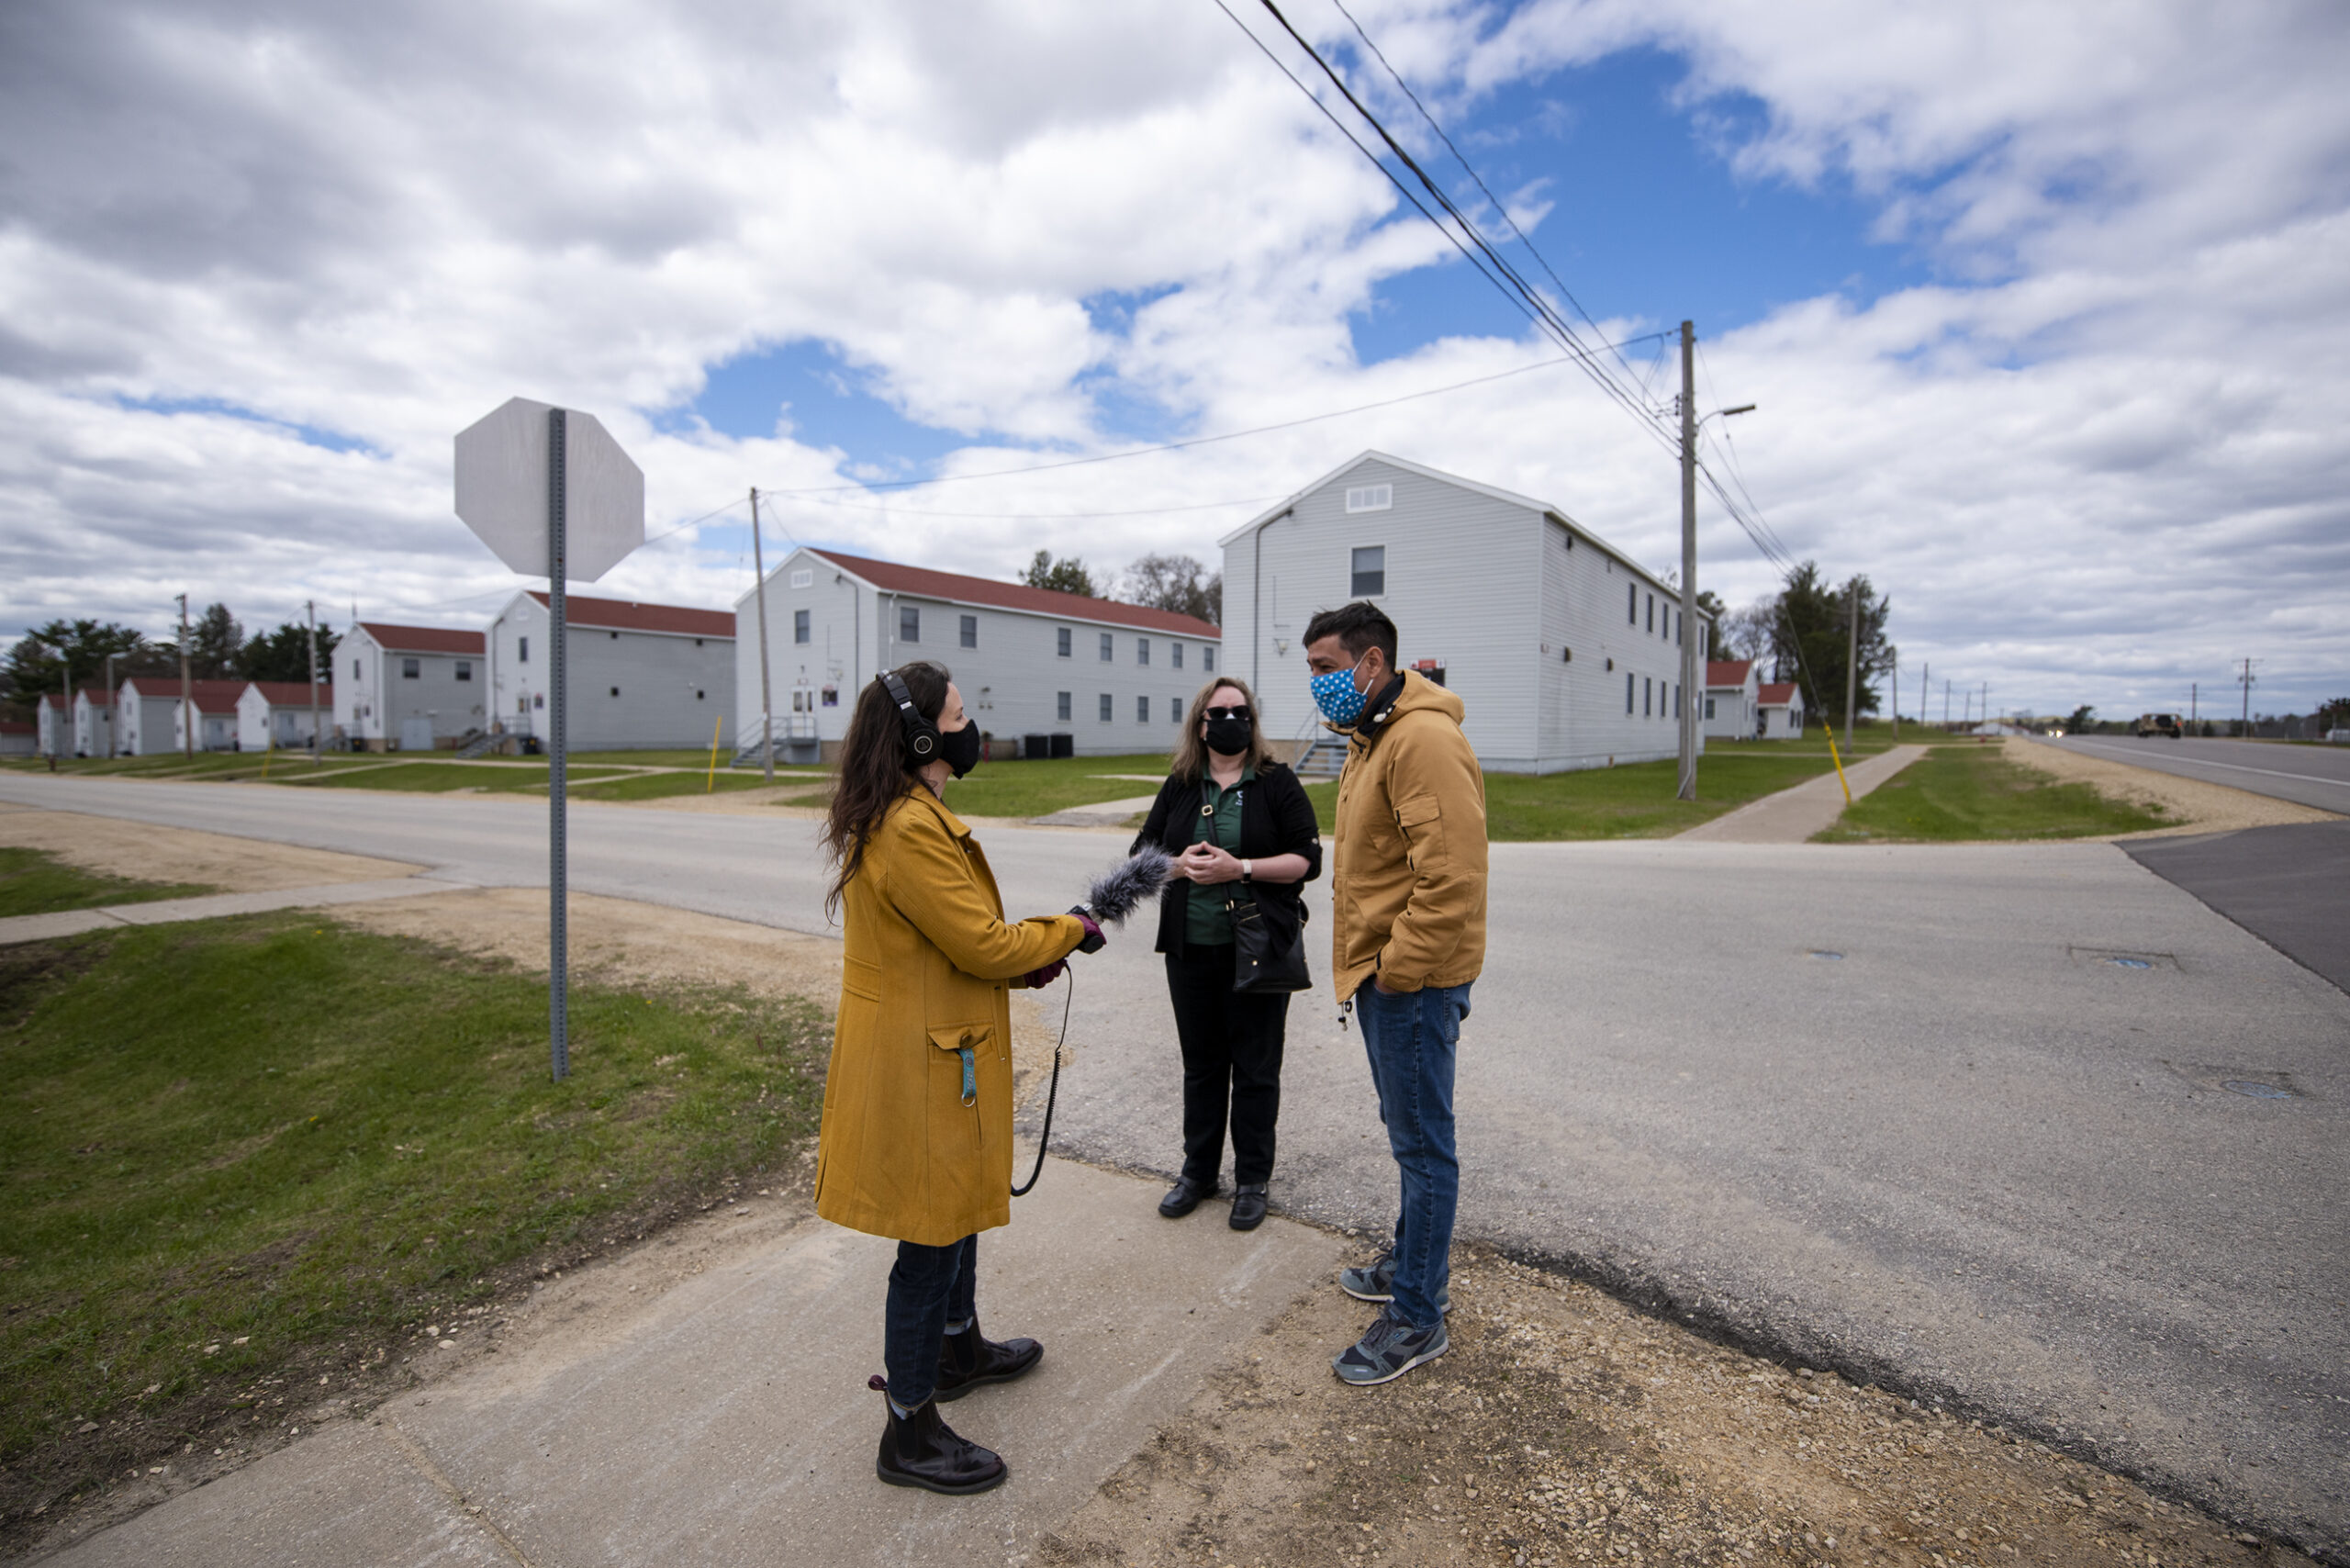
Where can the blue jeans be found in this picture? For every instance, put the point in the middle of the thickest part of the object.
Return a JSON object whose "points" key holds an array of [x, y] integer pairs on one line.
{"points": [[929, 1288], [1412, 1041]]}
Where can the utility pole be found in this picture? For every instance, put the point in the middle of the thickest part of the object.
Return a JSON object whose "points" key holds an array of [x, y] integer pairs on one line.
{"points": [[1986, 703], [767, 681], [113, 709], [64, 696], [313, 607], [2193, 691], [188, 688], [1894, 678], [1925, 690], [2246, 681], [1689, 682], [1852, 654]]}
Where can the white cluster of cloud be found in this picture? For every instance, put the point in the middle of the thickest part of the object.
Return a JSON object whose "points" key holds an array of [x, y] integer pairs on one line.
{"points": [[257, 264]]}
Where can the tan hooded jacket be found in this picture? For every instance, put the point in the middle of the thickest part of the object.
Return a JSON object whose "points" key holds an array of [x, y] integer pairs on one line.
{"points": [[1407, 887]]}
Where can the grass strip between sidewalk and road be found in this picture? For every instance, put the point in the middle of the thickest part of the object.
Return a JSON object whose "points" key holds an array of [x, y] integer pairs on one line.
{"points": [[34, 881], [1958, 794], [254, 1156]]}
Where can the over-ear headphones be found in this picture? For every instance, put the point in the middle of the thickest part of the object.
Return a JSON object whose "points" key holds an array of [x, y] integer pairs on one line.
{"points": [[921, 736]]}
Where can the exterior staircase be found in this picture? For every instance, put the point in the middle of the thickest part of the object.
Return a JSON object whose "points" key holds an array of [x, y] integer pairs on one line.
{"points": [[1324, 757], [477, 743]]}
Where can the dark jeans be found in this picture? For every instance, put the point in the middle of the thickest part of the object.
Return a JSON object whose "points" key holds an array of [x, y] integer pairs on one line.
{"points": [[929, 1288], [1412, 1041], [1232, 1057]]}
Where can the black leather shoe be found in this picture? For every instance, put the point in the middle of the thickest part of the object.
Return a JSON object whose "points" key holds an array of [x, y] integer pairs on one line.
{"points": [[1184, 1197], [1248, 1207], [921, 1450], [969, 1359]]}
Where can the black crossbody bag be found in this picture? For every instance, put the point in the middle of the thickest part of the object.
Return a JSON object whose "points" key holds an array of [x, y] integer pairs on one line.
{"points": [[1257, 966]]}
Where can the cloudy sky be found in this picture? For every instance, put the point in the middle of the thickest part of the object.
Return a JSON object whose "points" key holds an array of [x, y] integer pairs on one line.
{"points": [[2045, 307]]}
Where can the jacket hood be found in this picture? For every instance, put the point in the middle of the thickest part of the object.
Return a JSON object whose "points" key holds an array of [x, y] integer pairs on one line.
{"points": [[1419, 695]]}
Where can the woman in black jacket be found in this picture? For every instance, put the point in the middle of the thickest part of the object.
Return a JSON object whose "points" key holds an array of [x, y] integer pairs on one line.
{"points": [[1242, 825]]}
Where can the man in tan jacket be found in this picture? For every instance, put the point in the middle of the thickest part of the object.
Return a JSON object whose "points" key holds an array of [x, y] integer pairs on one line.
{"points": [[1407, 894]]}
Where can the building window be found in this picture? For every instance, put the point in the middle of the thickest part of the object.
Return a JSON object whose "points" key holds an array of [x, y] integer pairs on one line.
{"points": [[616, 691], [1175, 708], [465, 669], [1651, 613], [1142, 710], [1709, 707], [1370, 570], [356, 674], [971, 631], [1175, 654], [832, 697], [1680, 628], [699, 694], [1142, 650], [1628, 691], [909, 623], [1370, 497], [1062, 706], [1676, 699], [523, 656], [1207, 659], [1108, 652], [1061, 642], [1647, 699], [537, 699], [1106, 711], [412, 669], [805, 577], [1632, 603], [801, 631]]}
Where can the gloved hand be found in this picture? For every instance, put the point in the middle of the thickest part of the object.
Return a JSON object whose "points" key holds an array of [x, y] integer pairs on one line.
{"points": [[1095, 941], [1038, 979]]}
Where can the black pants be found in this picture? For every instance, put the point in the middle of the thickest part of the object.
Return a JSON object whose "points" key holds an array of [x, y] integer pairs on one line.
{"points": [[1232, 1055]]}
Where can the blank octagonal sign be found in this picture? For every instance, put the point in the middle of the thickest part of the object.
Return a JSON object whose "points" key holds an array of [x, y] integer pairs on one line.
{"points": [[502, 490]]}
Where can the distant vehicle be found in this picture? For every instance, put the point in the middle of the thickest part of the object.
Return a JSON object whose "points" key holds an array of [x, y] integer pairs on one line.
{"points": [[2158, 725]]}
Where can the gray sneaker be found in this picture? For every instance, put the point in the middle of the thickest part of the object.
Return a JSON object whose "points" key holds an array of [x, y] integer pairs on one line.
{"points": [[1376, 1281], [1388, 1348]]}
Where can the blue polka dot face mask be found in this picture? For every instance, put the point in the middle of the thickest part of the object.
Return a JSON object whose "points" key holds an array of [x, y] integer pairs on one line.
{"points": [[1336, 695]]}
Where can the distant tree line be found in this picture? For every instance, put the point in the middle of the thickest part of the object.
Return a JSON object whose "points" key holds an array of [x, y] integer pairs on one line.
{"points": [[218, 649], [1176, 583], [1803, 633]]}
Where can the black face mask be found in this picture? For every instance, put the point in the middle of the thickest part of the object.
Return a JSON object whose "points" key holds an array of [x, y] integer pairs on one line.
{"points": [[959, 749], [1230, 735]]}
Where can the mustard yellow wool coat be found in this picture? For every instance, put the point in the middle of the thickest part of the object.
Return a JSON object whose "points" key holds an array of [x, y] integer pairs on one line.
{"points": [[926, 971]]}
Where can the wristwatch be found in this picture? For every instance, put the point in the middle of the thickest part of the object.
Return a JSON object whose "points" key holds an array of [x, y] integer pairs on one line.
{"points": [[1248, 870]]}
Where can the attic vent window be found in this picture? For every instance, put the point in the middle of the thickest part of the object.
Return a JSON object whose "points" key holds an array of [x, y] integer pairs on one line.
{"points": [[805, 577], [1370, 497]]}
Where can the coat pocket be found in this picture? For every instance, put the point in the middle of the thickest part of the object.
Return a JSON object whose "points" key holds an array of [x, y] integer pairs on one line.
{"points": [[1421, 821], [956, 1052], [860, 976]]}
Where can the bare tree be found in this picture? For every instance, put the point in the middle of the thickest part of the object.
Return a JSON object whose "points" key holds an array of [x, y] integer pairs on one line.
{"points": [[1176, 583]]}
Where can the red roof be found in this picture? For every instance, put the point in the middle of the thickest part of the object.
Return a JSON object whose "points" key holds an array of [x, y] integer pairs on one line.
{"points": [[213, 696], [1727, 672], [891, 577], [1778, 694], [291, 693], [11, 727], [627, 615], [423, 638]]}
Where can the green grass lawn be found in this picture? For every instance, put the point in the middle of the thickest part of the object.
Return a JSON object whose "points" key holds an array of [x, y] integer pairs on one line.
{"points": [[431, 778], [1037, 788], [33, 881], [1975, 793], [674, 757], [242, 1153]]}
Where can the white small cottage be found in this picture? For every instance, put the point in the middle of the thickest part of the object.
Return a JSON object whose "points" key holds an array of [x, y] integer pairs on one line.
{"points": [[641, 676], [147, 711], [1733, 699], [213, 715], [414, 688], [278, 713], [1782, 708]]}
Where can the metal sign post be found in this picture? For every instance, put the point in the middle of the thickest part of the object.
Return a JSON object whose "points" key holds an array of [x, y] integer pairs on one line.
{"points": [[550, 490]]}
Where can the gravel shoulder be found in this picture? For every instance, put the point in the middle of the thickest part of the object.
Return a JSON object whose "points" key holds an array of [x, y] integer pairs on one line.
{"points": [[1565, 1428], [2192, 805], [120, 848]]}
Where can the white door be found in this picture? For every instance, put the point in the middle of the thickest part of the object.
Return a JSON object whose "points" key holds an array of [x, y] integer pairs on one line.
{"points": [[416, 735]]}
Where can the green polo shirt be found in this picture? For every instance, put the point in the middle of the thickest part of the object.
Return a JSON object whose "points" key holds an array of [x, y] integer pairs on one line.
{"points": [[1218, 822]]}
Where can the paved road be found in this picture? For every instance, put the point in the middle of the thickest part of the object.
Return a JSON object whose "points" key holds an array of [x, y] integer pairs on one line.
{"points": [[2311, 774], [1973, 1156], [2288, 885]]}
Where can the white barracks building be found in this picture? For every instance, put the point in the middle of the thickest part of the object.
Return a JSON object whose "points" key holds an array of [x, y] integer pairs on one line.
{"points": [[1094, 676], [1566, 652]]}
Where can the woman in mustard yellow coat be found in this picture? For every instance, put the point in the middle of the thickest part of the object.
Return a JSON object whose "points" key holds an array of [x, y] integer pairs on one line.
{"points": [[917, 1132]]}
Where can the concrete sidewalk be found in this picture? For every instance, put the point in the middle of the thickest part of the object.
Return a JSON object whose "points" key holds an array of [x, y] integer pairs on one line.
{"points": [[1791, 816], [212, 906], [727, 1422]]}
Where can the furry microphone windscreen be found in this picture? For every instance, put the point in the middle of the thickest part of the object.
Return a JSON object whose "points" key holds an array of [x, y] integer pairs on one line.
{"points": [[1119, 891]]}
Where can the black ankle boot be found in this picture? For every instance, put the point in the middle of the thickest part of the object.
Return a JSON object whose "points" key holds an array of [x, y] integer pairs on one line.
{"points": [[921, 1450], [969, 1359]]}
